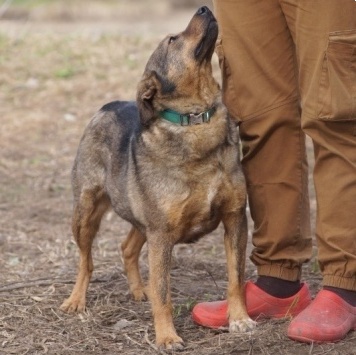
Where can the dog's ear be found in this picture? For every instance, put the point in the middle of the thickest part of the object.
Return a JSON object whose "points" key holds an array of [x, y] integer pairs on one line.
{"points": [[146, 91]]}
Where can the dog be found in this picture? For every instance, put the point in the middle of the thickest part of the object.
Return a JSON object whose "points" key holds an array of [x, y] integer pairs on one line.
{"points": [[168, 164]]}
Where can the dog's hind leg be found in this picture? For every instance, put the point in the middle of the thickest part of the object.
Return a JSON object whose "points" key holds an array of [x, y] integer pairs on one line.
{"points": [[87, 214], [131, 249]]}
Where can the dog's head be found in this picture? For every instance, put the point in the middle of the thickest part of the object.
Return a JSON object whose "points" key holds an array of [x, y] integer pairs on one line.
{"points": [[178, 75]]}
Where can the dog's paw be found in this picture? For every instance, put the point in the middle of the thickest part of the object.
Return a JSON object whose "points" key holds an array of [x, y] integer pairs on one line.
{"points": [[174, 343], [71, 305], [242, 326], [139, 295]]}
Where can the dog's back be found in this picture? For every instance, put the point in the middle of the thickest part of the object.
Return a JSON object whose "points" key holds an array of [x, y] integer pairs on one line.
{"points": [[106, 153], [116, 123]]}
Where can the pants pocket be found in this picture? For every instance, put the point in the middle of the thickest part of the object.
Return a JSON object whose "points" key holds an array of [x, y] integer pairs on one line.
{"points": [[337, 91]]}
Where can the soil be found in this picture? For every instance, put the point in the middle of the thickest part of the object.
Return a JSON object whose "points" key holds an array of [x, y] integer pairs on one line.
{"points": [[59, 64]]}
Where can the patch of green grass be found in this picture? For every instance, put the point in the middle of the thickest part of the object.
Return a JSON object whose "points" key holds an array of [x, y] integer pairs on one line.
{"points": [[314, 264], [187, 306], [30, 3], [37, 160], [3, 40], [64, 72], [131, 61], [33, 3]]}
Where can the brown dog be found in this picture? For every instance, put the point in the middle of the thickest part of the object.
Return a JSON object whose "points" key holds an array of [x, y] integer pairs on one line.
{"points": [[168, 164]]}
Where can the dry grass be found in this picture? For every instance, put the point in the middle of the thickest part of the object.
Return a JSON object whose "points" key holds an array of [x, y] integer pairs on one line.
{"points": [[50, 84]]}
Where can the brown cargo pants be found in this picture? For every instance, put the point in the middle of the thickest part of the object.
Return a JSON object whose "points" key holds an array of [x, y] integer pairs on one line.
{"points": [[289, 68]]}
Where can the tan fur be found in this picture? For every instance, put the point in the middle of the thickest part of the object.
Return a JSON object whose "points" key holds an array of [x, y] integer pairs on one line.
{"points": [[172, 183]]}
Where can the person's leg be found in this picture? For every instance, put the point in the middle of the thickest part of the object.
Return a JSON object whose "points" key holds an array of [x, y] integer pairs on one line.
{"points": [[325, 35], [260, 91]]}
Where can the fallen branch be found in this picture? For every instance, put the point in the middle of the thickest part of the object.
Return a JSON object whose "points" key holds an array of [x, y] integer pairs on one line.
{"points": [[41, 282]]}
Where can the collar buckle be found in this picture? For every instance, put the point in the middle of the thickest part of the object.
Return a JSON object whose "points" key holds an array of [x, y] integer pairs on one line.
{"points": [[188, 119], [196, 118]]}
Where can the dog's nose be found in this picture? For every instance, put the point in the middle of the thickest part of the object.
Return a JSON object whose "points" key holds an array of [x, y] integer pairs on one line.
{"points": [[203, 10]]}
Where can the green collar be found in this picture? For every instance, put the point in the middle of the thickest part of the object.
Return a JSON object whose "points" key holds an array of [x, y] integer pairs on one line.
{"points": [[189, 118]]}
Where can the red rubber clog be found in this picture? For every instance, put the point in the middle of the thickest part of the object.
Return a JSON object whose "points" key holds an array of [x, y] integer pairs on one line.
{"points": [[259, 305], [327, 319]]}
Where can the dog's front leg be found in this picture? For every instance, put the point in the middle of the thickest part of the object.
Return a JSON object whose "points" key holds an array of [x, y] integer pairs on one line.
{"points": [[159, 257], [235, 246]]}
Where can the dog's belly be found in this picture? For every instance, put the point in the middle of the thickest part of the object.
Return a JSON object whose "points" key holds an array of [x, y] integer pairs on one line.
{"points": [[198, 231]]}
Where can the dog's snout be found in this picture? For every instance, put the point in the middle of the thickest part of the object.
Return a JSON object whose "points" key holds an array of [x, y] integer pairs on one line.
{"points": [[203, 10]]}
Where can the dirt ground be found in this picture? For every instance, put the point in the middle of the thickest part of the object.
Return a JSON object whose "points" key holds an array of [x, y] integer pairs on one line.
{"points": [[59, 64]]}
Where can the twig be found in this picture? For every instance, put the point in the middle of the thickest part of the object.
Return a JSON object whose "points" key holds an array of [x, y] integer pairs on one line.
{"points": [[32, 283], [133, 341], [41, 282], [212, 277], [251, 341], [153, 346]]}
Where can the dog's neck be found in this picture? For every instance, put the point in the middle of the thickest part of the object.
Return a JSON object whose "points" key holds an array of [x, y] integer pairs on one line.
{"points": [[187, 119]]}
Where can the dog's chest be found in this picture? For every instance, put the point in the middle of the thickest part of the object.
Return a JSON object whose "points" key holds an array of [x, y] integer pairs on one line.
{"points": [[202, 211]]}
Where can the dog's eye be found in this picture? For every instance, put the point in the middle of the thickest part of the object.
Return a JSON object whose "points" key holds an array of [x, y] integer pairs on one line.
{"points": [[172, 39]]}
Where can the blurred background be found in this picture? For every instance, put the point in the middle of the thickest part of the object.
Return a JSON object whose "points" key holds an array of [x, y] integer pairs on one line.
{"points": [[114, 14]]}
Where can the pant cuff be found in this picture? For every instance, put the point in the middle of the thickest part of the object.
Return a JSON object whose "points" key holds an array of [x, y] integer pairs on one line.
{"points": [[275, 270], [348, 283]]}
